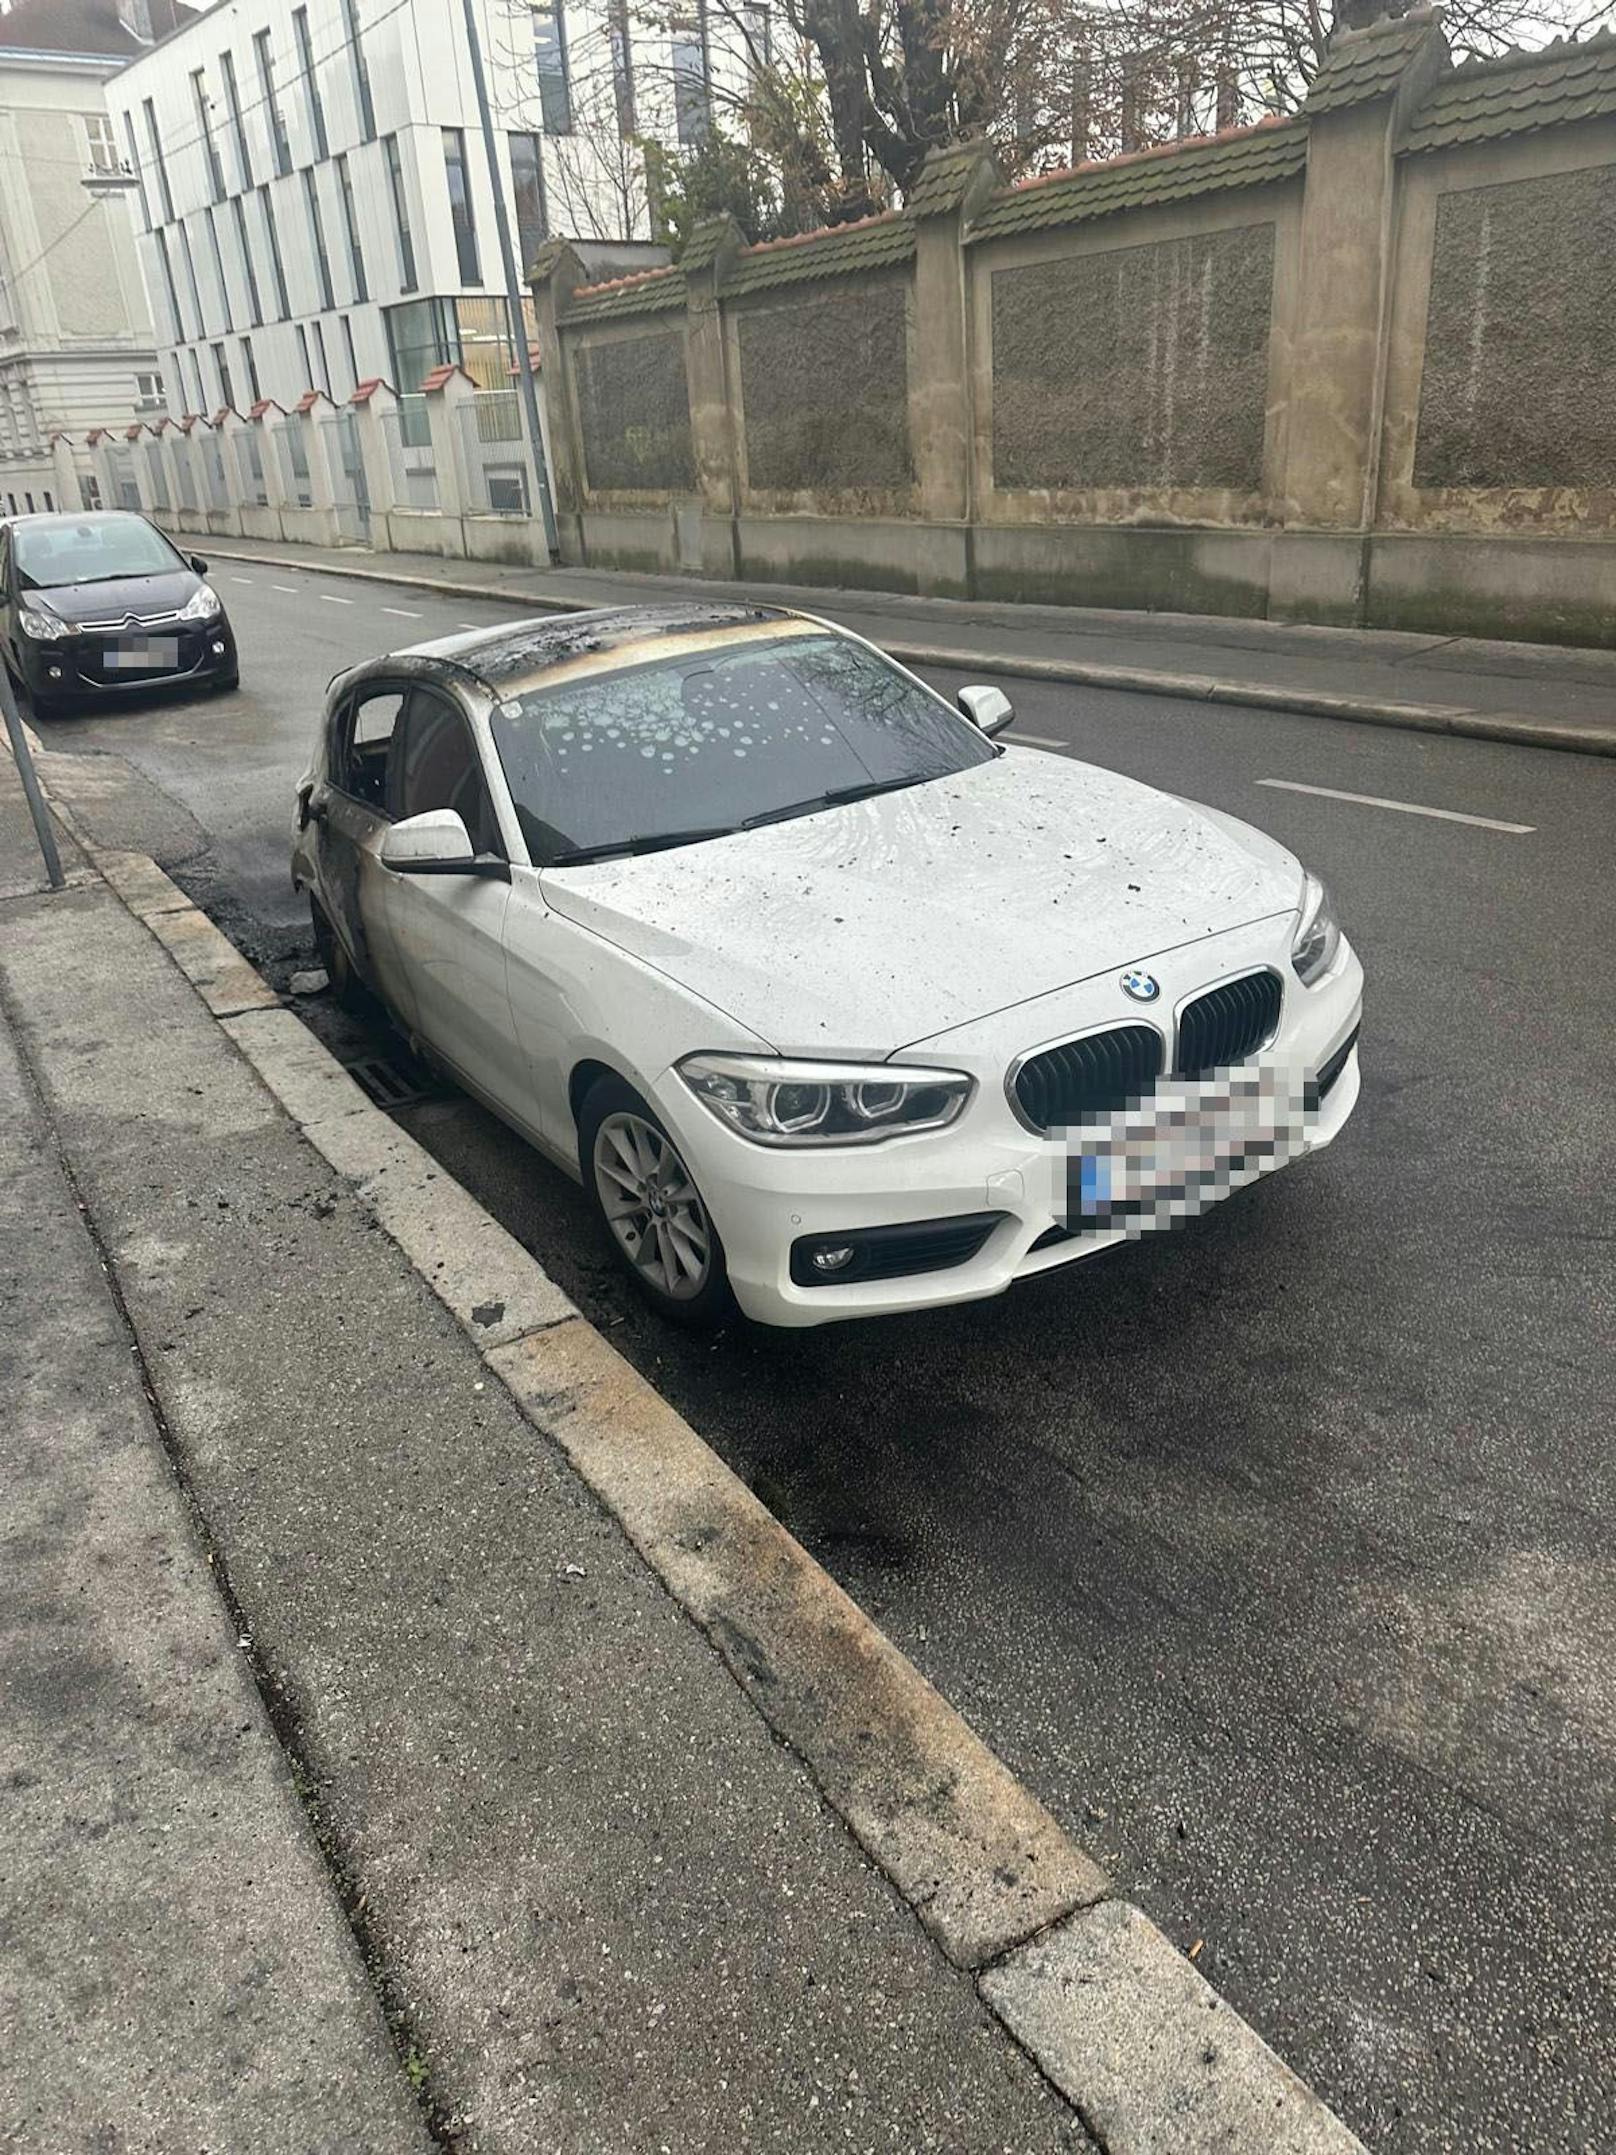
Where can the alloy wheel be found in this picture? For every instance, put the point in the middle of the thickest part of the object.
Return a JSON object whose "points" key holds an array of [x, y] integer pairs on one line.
{"points": [[652, 1206]]}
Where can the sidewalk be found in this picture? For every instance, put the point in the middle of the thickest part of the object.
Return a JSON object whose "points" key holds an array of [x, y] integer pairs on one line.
{"points": [[1545, 695], [602, 1906]]}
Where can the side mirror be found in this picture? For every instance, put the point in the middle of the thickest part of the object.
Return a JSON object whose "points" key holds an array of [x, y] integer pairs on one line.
{"points": [[437, 843], [199, 565], [988, 709]]}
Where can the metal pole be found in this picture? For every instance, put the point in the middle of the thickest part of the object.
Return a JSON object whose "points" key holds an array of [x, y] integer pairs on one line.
{"points": [[30, 783], [513, 286]]}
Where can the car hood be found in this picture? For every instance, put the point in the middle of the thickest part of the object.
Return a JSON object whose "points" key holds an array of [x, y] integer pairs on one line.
{"points": [[863, 928], [143, 595]]}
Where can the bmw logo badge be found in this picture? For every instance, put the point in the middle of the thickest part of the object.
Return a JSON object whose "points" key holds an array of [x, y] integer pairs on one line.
{"points": [[1143, 987]]}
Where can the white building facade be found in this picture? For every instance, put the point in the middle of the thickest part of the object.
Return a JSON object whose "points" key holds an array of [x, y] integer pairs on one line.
{"points": [[76, 341], [313, 200]]}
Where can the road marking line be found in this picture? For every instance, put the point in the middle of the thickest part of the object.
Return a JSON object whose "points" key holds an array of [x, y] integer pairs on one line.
{"points": [[468, 624], [1039, 740], [289, 589], [1404, 808], [403, 613], [241, 579], [331, 599]]}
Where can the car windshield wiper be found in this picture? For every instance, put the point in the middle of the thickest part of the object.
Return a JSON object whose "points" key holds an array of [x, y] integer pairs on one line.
{"points": [[646, 842], [837, 796]]}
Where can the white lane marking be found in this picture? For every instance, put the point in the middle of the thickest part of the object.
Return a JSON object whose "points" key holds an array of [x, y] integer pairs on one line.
{"points": [[1038, 740], [1403, 808], [331, 599], [468, 624], [241, 579], [402, 612], [289, 589]]}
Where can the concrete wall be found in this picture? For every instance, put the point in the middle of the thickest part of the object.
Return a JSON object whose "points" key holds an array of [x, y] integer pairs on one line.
{"points": [[1243, 376]]}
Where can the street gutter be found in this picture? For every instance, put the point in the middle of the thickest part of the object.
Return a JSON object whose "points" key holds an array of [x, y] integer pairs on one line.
{"points": [[1518, 727]]}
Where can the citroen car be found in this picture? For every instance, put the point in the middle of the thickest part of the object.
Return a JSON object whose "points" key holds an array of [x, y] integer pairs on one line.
{"points": [[835, 1001], [99, 604]]}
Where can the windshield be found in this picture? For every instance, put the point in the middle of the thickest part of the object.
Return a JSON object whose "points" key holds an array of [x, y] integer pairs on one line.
{"points": [[91, 550], [716, 739]]}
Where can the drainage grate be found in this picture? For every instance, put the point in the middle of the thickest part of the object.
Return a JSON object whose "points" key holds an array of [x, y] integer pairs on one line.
{"points": [[393, 1085]]}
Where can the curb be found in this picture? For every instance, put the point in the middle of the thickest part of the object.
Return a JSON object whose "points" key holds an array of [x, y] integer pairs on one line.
{"points": [[1112, 2013], [1519, 728]]}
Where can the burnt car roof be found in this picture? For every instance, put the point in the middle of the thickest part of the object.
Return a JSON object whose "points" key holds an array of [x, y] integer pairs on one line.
{"points": [[506, 655]]}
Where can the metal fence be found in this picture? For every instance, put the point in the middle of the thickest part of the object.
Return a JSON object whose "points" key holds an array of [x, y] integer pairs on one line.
{"points": [[156, 475], [345, 462], [493, 454], [294, 456], [125, 488], [250, 458], [415, 475], [213, 477]]}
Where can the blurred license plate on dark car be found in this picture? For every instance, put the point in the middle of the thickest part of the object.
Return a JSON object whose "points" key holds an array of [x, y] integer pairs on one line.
{"points": [[144, 654]]}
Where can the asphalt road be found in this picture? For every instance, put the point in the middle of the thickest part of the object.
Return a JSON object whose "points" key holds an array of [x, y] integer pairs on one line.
{"points": [[1275, 1554]]}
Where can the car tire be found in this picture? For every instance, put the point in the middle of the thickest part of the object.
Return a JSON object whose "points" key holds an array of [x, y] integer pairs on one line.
{"points": [[670, 1249], [346, 987]]}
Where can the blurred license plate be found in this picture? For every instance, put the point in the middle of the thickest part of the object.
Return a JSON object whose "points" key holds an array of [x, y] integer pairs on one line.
{"points": [[1190, 1146], [143, 654]]}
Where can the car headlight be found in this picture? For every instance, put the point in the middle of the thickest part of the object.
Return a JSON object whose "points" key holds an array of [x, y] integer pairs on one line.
{"points": [[1318, 933], [43, 628], [778, 1102], [202, 605]]}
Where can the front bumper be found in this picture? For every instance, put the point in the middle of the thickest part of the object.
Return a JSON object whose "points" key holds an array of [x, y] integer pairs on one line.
{"points": [[767, 1201], [88, 665]]}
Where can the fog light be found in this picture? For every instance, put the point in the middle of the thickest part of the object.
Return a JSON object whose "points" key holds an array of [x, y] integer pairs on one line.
{"points": [[832, 1257], [218, 647], [53, 673]]}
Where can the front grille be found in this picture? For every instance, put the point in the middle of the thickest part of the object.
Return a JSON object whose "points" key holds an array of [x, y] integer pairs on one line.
{"points": [[116, 622], [1227, 1024], [1082, 1079]]}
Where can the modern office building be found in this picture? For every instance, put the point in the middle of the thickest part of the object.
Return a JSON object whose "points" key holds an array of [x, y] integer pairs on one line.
{"points": [[76, 343], [313, 194]]}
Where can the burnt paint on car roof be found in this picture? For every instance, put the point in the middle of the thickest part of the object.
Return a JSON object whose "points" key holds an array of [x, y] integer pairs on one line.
{"points": [[508, 655]]}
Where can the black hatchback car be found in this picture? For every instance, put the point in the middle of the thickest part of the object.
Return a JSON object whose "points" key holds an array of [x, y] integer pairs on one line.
{"points": [[99, 604]]}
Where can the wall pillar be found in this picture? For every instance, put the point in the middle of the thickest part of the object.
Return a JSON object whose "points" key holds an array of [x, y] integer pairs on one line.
{"points": [[64, 470], [711, 547], [1356, 111], [555, 275], [317, 524], [370, 403], [952, 183], [447, 390]]}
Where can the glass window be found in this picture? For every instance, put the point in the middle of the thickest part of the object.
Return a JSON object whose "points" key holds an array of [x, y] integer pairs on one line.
{"points": [[690, 104], [350, 226], [364, 736], [102, 142], [199, 393], [165, 193], [322, 260], [349, 355], [204, 128], [134, 166], [227, 389], [620, 37], [401, 215], [367, 109], [217, 252], [249, 360], [419, 338], [283, 304], [527, 184], [750, 728], [170, 290], [311, 86], [277, 119], [434, 765], [550, 62], [148, 391], [191, 285], [460, 214], [319, 353], [232, 98], [303, 355], [255, 308]]}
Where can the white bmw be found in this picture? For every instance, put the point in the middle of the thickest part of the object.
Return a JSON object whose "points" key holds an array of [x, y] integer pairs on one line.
{"points": [[835, 1004]]}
